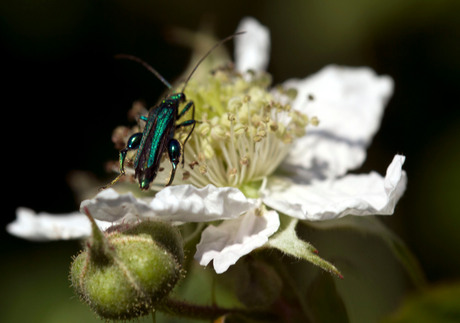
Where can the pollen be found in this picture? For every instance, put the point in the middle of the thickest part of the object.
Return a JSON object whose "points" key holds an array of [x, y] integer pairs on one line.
{"points": [[245, 129]]}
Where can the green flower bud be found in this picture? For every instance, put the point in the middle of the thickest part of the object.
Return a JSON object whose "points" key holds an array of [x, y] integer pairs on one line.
{"points": [[125, 272]]}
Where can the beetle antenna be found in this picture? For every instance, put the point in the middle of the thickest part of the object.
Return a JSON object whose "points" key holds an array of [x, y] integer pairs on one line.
{"points": [[207, 54], [147, 66]]}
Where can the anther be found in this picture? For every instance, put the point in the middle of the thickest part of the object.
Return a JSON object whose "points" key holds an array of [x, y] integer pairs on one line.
{"points": [[203, 169], [274, 126], [244, 161], [193, 164], [314, 121], [185, 175]]}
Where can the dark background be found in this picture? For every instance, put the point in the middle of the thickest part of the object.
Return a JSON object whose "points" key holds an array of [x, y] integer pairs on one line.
{"points": [[63, 93]]}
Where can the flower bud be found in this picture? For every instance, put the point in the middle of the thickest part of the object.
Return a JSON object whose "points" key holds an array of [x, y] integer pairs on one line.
{"points": [[125, 272]]}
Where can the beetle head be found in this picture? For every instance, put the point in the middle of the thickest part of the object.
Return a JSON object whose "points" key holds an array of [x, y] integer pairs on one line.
{"points": [[181, 97]]}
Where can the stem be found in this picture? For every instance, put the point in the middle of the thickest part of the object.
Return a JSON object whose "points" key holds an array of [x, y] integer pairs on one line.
{"points": [[182, 308], [191, 237]]}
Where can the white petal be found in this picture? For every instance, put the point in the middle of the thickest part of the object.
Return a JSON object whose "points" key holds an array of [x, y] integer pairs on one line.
{"points": [[111, 206], [187, 203], [252, 49], [233, 239], [364, 194], [349, 104], [184, 203], [44, 226]]}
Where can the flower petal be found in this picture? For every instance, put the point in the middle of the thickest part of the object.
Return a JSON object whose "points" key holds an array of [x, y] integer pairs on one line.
{"points": [[232, 239], [111, 206], [184, 203], [43, 226], [364, 194], [190, 204], [252, 49], [349, 104]]}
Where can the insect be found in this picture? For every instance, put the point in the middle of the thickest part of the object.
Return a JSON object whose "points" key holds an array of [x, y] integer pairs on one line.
{"points": [[157, 137]]}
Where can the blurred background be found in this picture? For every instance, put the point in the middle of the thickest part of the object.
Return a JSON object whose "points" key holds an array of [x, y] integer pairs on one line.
{"points": [[63, 93]]}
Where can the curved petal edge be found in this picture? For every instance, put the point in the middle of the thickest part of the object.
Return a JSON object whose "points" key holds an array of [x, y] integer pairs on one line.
{"points": [[226, 243], [363, 194]]}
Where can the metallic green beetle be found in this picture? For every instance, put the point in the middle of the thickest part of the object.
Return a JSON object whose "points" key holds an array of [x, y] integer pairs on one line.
{"points": [[158, 134]]}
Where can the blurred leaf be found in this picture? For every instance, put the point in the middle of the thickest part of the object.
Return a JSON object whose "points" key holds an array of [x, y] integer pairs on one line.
{"points": [[371, 225], [257, 284], [203, 286], [324, 302], [435, 207], [440, 304]]}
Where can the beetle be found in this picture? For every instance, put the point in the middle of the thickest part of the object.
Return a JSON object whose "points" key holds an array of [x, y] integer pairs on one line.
{"points": [[157, 137]]}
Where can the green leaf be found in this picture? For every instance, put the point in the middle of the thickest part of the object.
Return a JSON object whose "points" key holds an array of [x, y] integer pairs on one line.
{"points": [[287, 241], [371, 225]]}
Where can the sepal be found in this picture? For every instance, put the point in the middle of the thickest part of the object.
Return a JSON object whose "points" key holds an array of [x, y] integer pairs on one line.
{"points": [[287, 241]]}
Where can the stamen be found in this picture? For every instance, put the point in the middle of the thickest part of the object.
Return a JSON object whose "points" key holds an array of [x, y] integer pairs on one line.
{"points": [[244, 134]]}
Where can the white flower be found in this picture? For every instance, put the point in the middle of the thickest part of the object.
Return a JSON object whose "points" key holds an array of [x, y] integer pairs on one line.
{"points": [[349, 104]]}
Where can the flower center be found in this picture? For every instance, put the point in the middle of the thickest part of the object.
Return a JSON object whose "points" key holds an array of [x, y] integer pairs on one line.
{"points": [[244, 131]]}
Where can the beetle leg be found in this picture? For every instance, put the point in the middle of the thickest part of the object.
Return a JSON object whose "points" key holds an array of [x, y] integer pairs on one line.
{"points": [[185, 124], [133, 143], [187, 107], [174, 152], [191, 122], [142, 118]]}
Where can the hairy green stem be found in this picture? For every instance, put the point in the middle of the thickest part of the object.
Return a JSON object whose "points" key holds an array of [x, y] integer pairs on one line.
{"points": [[194, 235], [185, 309]]}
